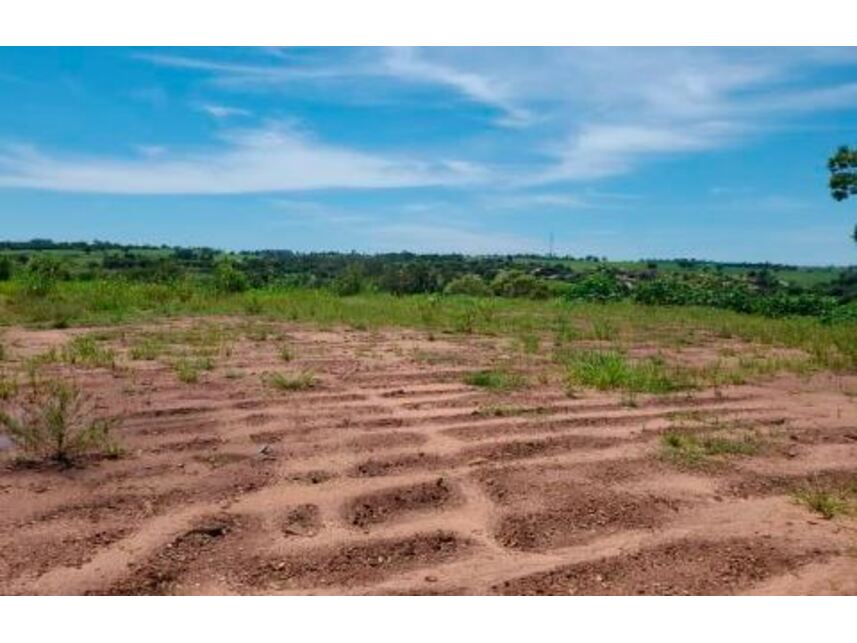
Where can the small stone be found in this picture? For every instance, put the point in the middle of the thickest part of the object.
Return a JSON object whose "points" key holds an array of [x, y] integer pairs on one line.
{"points": [[431, 579]]}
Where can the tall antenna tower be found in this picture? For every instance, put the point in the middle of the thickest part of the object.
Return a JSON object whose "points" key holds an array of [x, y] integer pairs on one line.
{"points": [[550, 245]]}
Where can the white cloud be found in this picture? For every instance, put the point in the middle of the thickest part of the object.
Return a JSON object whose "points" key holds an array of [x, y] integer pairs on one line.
{"points": [[223, 111], [427, 237], [606, 150], [271, 159], [550, 200], [407, 64]]}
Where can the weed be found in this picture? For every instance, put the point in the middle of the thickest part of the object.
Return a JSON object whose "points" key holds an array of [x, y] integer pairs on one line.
{"points": [[693, 449], [55, 421], [290, 381], [604, 330], [499, 410], [85, 350], [497, 380], [147, 348], [187, 371], [610, 370], [286, 354], [828, 502]]}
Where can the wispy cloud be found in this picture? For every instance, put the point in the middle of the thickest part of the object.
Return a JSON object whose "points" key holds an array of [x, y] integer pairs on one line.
{"points": [[408, 65], [271, 159], [428, 237], [222, 111]]}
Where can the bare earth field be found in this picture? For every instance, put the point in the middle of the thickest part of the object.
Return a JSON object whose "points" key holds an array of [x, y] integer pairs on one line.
{"points": [[391, 475]]}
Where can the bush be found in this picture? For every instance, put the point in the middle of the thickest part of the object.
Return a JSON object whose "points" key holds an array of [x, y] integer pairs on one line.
{"points": [[54, 421], [350, 282], [515, 283], [469, 284], [42, 274], [5, 268], [229, 278], [598, 286]]}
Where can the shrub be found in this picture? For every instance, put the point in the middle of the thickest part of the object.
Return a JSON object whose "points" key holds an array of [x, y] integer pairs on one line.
{"points": [[54, 420], [42, 274], [469, 284], [598, 286], [5, 268], [514, 283], [350, 282], [229, 278]]}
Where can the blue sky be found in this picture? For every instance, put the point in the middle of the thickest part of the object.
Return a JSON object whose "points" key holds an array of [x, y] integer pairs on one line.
{"points": [[626, 153]]}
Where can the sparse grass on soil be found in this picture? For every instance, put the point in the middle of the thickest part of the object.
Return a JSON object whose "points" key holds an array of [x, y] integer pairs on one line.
{"points": [[610, 370], [496, 380], [829, 503], [501, 410], [693, 449], [290, 381], [830, 346]]}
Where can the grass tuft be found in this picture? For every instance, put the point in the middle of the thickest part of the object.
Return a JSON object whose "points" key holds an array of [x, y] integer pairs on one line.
{"points": [[85, 350], [611, 370], [495, 380], [290, 381], [694, 449], [829, 503]]}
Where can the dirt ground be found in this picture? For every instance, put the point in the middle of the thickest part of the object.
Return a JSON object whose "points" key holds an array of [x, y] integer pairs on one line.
{"points": [[393, 476]]}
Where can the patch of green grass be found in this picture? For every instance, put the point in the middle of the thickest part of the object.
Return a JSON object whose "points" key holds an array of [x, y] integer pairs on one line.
{"points": [[147, 348], [691, 448], [496, 380], [604, 330], [829, 503], [85, 350], [530, 343], [290, 381], [611, 370], [188, 369], [286, 354], [75, 303]]}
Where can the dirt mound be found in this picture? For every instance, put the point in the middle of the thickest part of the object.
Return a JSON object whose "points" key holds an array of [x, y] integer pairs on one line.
{"points": [[521, 449], [354, 564], [586, 514], [191, 551], [375, 467], [383, 506], [756, 484], [303, 520], [688, 567]]}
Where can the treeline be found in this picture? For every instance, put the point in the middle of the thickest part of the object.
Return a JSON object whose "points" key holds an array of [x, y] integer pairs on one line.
{"points": [[38, 264]]}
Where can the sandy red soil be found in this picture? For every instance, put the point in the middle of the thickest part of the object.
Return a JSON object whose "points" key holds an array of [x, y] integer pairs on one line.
{"points": [[389, 477]]}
